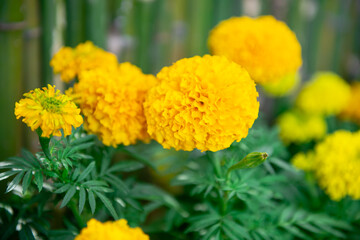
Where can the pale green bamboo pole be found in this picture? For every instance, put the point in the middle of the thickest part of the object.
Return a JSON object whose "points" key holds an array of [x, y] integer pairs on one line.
{"points": [[200, 21], [178, 42], [145, 15], [96, 21], [223, 9], [11, 74], [74, 32], [48, 17]]}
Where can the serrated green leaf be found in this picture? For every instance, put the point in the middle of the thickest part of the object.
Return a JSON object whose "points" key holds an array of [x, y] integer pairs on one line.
{"points": [[202, 223], [7, 174], [92, 201], [107, 204], [86, 172], [92, 183], [63, 188], [15, 181], [69, 194], [39, 179], [26, 181], [125, 166], [236, 228], [75, 174], [117, 183], [82, 198]]}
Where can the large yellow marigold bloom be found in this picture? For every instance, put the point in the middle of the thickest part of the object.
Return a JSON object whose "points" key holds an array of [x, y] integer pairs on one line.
{"points": [[325, 94], [298, 127], [336, 164], [117, 230], [71, 62], [48, 110], [112, 103], [202, 102], [352, 109], [266, 47]]}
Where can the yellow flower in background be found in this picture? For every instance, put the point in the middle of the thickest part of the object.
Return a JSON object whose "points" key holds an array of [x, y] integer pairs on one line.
{"points": [[326, 93], [352, 109], [336, 164], [284, 87], [112, 103], [117, 230], [298, 127], [202, 102], [303, 161], [48, 110], [266, 47], [71, 62]]}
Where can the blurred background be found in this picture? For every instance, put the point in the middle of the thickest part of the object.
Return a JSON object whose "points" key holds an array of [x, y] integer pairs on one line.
{"points": [[152, 34]]}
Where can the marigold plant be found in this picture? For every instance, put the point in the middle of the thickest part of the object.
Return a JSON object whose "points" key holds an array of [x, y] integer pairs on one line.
{"points": [[118, 230], [48, 110], [71, 62], [266, 47], [112, 103], [202, 102], [326, 94], [336, 164]]}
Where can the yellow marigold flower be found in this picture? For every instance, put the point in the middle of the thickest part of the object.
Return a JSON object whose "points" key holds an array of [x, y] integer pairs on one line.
{"points": [[112, 103], [336, 164], [298, 127], [303, 161], [284, 87], [266, 47], [86, 56], [326, 94], [202, 102], [352, 109], [48, 110], [117, 230]]}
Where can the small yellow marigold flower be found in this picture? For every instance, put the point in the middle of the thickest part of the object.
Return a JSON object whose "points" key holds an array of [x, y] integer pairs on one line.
{"points": [[284, 87], [266, 47], [298, 127], [112, 103], [117, 230], [352, 109], [202, 102], [303, 161], [48, 110], [325, 94], [71, 62], [336, 164]]}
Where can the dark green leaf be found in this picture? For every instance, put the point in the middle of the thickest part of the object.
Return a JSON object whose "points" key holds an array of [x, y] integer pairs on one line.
{"points": [[7, 174], [15, 181], [107, 204], [125, 166], [82, 198], [69, 194], [39, 179], [63, 188], [92, 201], [26, 181], [86, 172]]}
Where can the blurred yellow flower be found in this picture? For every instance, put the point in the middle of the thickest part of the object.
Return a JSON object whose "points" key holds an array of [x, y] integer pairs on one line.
{"points": [[48, 110], [117, 230], [336, 164], [325, 94], [202, 102], [71, 62], [298, 127], [352, 109], [266, 47], [283, 87], [112, 103], [303, 161]]}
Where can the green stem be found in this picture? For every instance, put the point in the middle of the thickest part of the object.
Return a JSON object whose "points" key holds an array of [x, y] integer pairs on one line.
{"points": [[44, 142], [77, 215]]}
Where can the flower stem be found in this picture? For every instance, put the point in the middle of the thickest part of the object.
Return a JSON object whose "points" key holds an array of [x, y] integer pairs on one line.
{"points": [[77, 215], [44, 142]]}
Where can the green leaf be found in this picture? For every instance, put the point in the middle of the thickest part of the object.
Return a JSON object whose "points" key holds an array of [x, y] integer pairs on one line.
{"points": [[7, 174], [82, 198], [15, 181], [63, 188], [117, 183], [69, 194], [86, 172], [39, 179], [26, 181], [92, 201], [236, 229], [251, 160], [107, 204], [125, 166]]}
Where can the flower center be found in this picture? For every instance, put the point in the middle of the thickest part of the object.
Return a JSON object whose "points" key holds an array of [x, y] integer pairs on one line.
{"points": [[52, 105]]}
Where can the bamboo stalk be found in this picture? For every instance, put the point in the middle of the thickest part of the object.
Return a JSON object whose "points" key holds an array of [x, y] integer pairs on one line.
{"points": [[96, 21], [48, 14], [11, 75], [223, 9], [74, 22]]}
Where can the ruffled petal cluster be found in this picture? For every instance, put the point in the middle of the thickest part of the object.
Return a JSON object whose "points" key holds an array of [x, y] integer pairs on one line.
{"points": [[298, 127], [326, 94], [266, 47], [112, 103], [352, 109], [48, 110], [201, 102], [118, 230], [336, 164], [71, 62]]}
